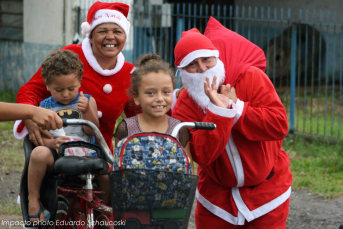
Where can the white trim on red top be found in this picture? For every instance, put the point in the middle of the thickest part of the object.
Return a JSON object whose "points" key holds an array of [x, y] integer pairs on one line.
{"points": [[19, 135], [229, 113], [243, 211], [88, 52], [240, 107], [235, 160]]}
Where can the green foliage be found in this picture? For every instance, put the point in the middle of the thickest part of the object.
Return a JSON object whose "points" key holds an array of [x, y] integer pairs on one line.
{"points": [[316, 165]]}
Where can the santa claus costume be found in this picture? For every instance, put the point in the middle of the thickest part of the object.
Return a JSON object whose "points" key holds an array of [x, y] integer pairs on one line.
{"points": [[245, 179], [107, 86]]}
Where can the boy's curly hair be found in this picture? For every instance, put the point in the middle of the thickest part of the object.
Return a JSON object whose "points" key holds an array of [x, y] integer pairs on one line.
{"points": [[149, 63], [61, 62]]}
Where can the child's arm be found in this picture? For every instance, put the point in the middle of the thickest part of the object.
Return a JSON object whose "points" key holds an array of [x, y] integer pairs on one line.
{"points": [[121, 132], [116, 140], [189, 154], [55, 143], [46, 119], [89, 111]]}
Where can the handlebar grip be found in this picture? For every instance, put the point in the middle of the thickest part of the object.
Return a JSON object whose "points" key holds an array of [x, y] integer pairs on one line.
{"points": [[204, 125], [64, 121]]}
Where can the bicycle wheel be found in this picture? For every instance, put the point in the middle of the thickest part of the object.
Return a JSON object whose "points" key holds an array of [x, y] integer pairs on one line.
{"points": [[102, 221], [60, 218]]}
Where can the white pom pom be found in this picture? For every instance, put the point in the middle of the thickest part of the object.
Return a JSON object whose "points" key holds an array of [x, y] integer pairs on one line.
{"points": [[99, 114], [86, 28], [107, 88]]}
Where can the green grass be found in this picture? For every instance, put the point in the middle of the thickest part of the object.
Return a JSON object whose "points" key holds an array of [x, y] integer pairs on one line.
{"points": [[316, 165], [10, 207], [318, 111], [11, 160], [11, 151]]}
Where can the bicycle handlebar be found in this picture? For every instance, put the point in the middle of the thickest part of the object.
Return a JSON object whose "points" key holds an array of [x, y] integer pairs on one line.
{"points": [[194, 125], [108, 155]]}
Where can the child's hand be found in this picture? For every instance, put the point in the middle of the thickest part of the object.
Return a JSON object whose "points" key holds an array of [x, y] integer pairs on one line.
{"points": [[59, 141], [83, 103]]}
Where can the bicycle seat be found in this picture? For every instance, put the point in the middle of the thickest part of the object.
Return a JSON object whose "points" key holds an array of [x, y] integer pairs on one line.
{"points": [[75, 165]]}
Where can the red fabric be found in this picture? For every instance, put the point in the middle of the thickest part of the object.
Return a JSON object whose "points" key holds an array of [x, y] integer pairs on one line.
{"points": [[111, 105], [236, 52], [190, 41], [257, 134], [121, 7]]}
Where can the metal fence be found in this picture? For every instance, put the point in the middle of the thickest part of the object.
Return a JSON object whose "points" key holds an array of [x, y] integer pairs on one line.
{"points": [[304, 55]]}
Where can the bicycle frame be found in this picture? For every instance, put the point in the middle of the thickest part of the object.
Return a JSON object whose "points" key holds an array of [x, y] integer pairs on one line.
{"points": [[87, 196]]}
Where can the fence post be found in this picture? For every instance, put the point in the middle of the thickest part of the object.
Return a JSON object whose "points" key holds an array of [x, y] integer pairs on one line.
{"points": [[293, 72], [179, 30]]}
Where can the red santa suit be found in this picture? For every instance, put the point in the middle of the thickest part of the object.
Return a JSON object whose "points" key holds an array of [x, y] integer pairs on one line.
{"points": [[244, 173], [108, 87]]}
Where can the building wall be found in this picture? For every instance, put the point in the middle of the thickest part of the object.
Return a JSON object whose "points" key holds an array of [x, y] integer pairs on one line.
{"points": [[49, 22], [48, 25]]}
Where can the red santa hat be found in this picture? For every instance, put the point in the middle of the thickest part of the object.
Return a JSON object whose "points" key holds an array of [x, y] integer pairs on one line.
{"points": [[101, 12], [193, 45]]}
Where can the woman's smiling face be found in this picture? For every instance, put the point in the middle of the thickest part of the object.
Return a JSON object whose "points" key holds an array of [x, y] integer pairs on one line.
{"points": [[107, 40]]}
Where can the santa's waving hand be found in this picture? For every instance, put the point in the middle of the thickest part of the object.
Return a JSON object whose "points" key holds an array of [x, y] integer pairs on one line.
{"points": [[244, 174]]}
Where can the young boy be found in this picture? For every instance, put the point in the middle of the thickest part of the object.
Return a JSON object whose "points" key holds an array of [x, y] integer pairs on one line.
{"points": [[62, 73]]}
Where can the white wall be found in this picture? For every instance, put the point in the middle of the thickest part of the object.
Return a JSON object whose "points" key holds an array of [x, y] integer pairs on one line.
{"points": [[49, 22]]}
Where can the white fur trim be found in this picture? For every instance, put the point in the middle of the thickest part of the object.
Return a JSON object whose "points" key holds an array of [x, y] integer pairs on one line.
{"points": [[240, 107], [86, 28], [229, 113], [87, 50], [196, 54], [243, 211], [107, 88], [174, 99], [262, 210], [235, 160], [99, 114], [16, 134], [114, 16], [221, 213]]}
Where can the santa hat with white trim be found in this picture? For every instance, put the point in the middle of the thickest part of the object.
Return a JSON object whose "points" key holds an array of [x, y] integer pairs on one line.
{"points": [[101, 12], [193, 45]]}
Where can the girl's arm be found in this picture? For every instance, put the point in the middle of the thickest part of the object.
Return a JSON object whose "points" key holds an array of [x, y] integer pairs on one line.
{"points": [[121, 132], [189, 154]]}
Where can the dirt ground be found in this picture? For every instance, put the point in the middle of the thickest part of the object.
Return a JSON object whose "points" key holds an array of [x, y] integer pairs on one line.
{"points": [[307, 211]]}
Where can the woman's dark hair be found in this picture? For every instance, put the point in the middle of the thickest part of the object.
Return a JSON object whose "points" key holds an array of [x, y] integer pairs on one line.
{"points": [[149, 63], [61, 62]]}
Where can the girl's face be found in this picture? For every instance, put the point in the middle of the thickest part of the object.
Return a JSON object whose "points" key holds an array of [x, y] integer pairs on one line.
{"points": [[155, 94], [107, 41], [64, 88]]}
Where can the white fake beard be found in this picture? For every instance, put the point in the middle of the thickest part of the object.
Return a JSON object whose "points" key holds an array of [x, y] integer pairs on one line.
{"points": [[194, 83]]}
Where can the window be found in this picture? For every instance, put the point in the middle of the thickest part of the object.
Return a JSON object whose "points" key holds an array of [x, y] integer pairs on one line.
{"points": [[11, 20]]}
